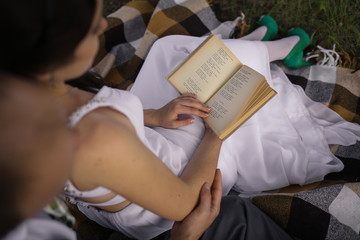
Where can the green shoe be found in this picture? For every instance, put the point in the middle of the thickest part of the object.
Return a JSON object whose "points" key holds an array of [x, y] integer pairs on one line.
{"points": [[295, 58], [271, 25]]}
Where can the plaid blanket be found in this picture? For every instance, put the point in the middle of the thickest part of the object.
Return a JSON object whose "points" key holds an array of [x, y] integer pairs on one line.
{"points": [[326, 210], [329, 209], [137, 25]]}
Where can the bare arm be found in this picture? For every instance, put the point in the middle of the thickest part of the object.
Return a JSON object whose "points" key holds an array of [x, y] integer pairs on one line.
{"points": [[196, 223], [119, 161]]}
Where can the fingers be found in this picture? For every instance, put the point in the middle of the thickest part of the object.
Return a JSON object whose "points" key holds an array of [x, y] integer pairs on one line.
{"points": [[168, 115], [182, 122], [205, 198], [188, 95], [211, 199], [216, 193], [189, 105]]}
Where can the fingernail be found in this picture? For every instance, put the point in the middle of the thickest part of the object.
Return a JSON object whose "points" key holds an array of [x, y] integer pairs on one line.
{"points": [[207, 186]]}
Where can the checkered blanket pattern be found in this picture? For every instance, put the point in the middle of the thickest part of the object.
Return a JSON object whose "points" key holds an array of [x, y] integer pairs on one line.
{"points": [[134, 28], [329, 209], [324, 210]]}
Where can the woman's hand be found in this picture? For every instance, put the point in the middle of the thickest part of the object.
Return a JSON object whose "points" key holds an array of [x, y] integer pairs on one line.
{"points": [[168, 116]]}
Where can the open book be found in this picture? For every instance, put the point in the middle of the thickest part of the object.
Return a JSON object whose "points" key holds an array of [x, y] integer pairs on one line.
{"points": [[233, 91]]}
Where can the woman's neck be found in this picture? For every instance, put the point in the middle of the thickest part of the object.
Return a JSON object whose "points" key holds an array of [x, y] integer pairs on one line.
{"points": [[69, 97]]}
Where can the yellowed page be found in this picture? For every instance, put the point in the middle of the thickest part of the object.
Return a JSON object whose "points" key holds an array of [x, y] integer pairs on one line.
{"points": [[228, 102], [246, 115], [205, 70], [261, 93]]}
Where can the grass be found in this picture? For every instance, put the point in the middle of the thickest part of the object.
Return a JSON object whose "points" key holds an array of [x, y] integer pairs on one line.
{"points": [[112, 5], [328, 22]]}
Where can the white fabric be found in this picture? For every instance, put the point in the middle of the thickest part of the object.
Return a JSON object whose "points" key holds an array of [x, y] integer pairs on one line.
{"points": [[41, 229], [286, 142]]}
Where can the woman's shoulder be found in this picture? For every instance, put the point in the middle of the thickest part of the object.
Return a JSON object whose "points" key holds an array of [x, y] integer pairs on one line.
{"points": [[103, 135], [121, 101], [104, 124]]}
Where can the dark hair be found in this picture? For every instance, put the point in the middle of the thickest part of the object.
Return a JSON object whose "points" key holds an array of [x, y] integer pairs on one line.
{"points": [[39, 35]]}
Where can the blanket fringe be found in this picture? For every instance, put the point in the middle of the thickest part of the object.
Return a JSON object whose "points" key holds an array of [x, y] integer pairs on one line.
{"points": [[241, 27], [325, 57], [332, 58]]}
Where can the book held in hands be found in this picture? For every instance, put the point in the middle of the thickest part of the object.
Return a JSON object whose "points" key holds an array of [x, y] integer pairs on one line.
{"points": [[232, 90]]}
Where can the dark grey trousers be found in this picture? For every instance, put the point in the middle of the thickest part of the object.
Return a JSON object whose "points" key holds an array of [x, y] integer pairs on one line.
{"points": [[240, 219]]}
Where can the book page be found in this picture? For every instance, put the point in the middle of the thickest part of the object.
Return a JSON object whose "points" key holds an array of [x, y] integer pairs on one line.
{"points": [[228, 102], [250, 110], [205, 70]]}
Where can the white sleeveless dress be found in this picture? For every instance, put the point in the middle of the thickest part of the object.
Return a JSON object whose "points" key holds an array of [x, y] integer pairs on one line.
{"points": [[286, 142]]}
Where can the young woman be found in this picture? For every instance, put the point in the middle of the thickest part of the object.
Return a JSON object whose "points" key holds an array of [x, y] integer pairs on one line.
{"points": [[52, 53], [61, 42], [122, 168]]}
